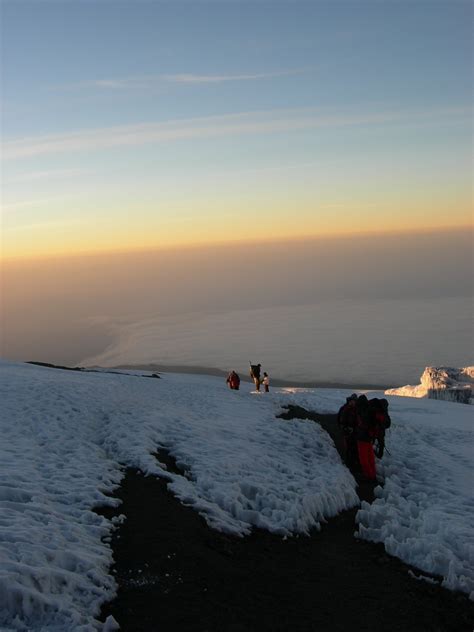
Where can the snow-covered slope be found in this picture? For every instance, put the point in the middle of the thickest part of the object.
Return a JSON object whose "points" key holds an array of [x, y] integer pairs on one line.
{"points": [[424, 513], [66, 437], [454, 385]]}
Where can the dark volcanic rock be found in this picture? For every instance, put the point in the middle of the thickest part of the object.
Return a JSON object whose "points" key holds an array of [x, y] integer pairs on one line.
{"points": [[175, 573]]}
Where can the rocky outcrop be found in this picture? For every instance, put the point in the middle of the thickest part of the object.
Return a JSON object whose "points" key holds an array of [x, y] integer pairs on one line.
{"points": [[454, 385]]}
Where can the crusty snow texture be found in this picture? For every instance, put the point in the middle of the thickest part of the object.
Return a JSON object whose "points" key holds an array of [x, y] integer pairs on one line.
{"points": [[424, 513], [66, 438], [452, 385]]}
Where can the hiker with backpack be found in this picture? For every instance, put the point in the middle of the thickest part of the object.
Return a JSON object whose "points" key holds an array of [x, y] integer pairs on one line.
{"points": [[382, 422], [365, 434], [233, 380], [347, 422], [372, 422], [255, 374]]}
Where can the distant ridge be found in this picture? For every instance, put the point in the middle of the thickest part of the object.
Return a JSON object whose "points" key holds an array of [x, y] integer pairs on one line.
{"points": [[48, 365], [206, 370]]}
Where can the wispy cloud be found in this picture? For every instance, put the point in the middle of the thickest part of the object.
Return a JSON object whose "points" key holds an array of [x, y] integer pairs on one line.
{"points": [[152, 81], [190, 78], [207, 127]]}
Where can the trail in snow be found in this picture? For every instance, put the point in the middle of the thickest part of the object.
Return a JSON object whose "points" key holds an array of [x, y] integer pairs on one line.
{"points": [[68, 435]]}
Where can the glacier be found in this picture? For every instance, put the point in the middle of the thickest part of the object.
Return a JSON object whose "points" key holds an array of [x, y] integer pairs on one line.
{"points": [[440, 382]]}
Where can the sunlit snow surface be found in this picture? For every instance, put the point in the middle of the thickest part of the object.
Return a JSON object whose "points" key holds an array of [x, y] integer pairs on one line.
{"points": [[66, 437], [424, 513]]}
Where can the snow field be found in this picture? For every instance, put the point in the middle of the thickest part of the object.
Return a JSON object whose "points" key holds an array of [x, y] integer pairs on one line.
{"points": [[243, 467], [68, 435], [424, 513], [53, 562]]}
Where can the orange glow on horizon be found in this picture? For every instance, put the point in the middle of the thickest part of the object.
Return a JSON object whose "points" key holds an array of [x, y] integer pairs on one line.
{"points": [[224, 218], [111, 250]]}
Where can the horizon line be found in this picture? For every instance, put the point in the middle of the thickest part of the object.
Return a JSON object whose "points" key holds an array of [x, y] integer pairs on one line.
{"points": [[229, 243]]}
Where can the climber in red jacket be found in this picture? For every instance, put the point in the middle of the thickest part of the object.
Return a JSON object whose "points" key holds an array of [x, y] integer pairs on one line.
{"points": [[233, 380], [365, 435]]}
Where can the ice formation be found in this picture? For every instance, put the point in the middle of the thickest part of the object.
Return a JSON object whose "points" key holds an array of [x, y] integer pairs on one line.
{"points": [[440, 382]]}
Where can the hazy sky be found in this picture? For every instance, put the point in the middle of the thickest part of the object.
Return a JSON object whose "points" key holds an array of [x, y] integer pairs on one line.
{"points": [[140, 138], [131, 125], [65, 310]]}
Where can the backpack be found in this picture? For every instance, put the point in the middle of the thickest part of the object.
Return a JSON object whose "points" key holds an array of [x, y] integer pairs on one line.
{"points": [[388, 421], [255, 371]]}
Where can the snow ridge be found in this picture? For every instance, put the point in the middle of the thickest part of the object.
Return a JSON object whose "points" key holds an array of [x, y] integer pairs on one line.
{"points": [[67, 437]]}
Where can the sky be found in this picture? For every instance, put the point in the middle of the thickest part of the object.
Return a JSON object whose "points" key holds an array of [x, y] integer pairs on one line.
{"points": [[372, 309], [261, 161], [132, 126]]}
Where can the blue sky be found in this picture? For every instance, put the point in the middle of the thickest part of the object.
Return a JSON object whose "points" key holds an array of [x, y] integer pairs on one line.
{"points": [[345, 105], [321, 53]]}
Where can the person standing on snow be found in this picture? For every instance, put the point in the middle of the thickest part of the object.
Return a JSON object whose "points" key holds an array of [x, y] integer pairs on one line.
{"points": [[266, 382], [379, 408], [255, 374], [365, 434], [347, 421], [233, 380]]}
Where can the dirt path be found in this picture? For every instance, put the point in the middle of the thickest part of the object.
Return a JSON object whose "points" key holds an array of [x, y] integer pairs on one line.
{"points": [[175, 573]]}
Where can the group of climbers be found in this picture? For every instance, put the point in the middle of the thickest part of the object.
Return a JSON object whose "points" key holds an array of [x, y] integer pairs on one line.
{"points": [[233, 379], [255, 371], [363, 423]]}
